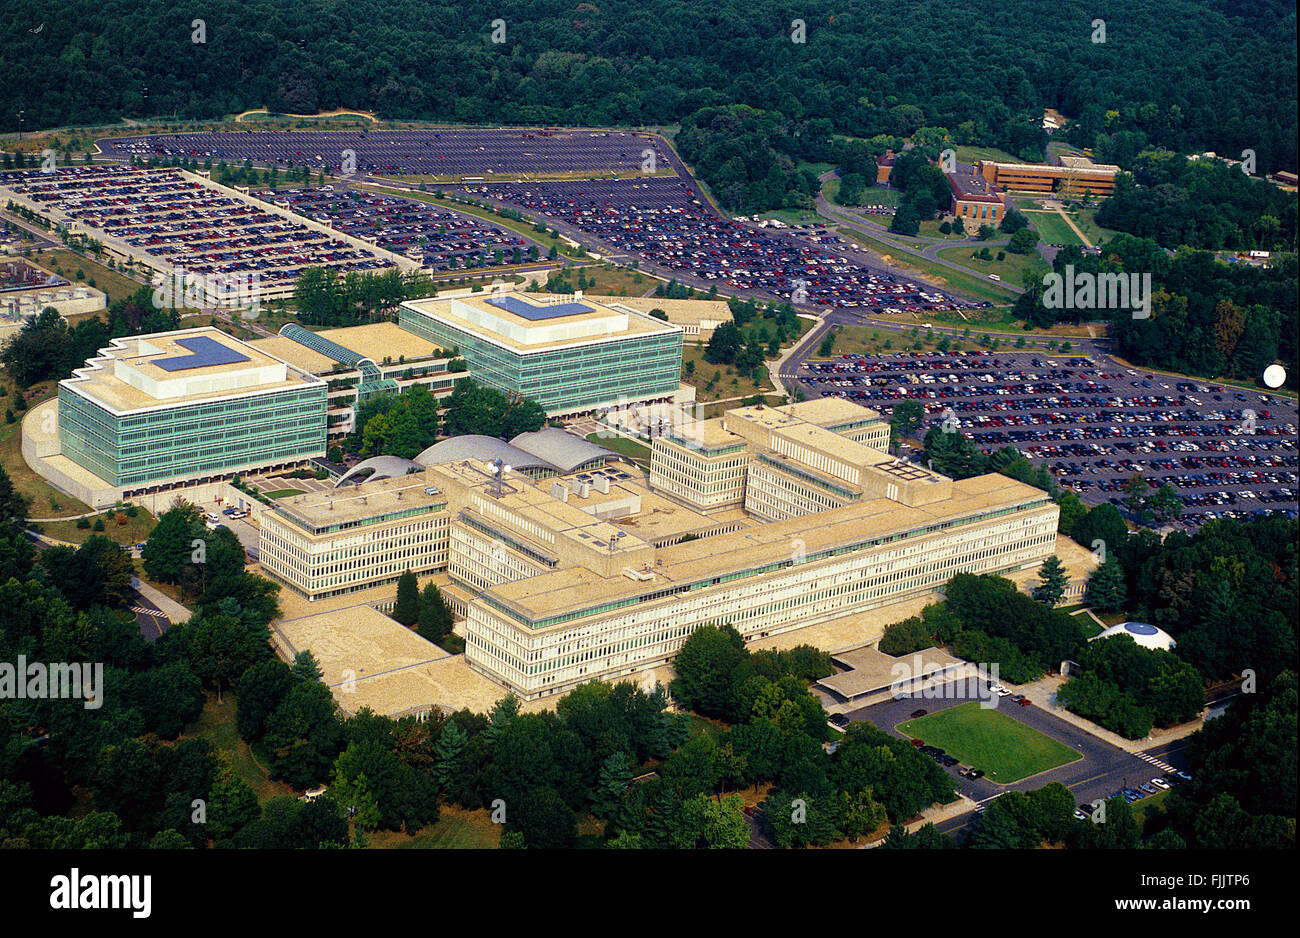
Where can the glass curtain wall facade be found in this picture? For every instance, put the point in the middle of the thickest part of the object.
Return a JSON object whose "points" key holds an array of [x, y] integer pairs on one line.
{"points": [[192, 439], [565, 379]]}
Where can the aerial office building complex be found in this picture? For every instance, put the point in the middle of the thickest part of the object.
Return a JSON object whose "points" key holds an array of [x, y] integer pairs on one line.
{"points": [[595, 575], [570, 354]]}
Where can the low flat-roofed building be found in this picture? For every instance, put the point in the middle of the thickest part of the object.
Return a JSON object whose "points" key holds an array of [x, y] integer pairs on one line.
{"points": [[543, 634], [481, 526], [1075, 177], [176, 408], [328, 543], [974, 200], [775, 461], [697, 317], [369, 660], [569, 353], [360, 362], [868, 670], [594, 575]]}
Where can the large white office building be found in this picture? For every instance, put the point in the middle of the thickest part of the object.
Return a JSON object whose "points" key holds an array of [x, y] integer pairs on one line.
{"points": [[592, 574]]}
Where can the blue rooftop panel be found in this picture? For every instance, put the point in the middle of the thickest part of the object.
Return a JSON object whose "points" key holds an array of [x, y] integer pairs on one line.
{"points": [[204, 353], [520, 307]]}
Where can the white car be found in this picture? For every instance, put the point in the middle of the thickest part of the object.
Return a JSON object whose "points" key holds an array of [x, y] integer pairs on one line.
{"points": [[1160, 783]]}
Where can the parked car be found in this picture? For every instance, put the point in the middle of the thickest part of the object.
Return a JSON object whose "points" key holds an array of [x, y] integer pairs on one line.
{"points": [[839, 719], [919, 713], [1025, 702], [1160, 783]]}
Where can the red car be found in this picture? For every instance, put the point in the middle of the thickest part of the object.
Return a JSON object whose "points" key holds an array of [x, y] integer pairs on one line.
{"points": [[1024, 701]]}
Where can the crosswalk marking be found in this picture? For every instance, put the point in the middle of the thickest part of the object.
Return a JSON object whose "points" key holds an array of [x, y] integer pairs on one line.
{"points": [[1147, 757], [148, 612]]}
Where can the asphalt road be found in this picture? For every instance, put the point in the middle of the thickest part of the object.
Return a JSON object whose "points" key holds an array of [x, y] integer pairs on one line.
{"points": [[149, 617]]}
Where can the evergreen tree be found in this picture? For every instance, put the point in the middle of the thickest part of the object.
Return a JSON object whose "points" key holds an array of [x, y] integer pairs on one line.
{"points": [[1106, 590], [406, 609], [446, 754], [1053, 581], [435, 619], [615, 776], [305, 667]]}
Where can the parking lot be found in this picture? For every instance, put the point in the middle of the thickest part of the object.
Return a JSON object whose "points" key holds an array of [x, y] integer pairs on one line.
{"points": [[437, 238], [1229, 452], [665, 222], [1102, 771], [408, 152], [162, 215]]}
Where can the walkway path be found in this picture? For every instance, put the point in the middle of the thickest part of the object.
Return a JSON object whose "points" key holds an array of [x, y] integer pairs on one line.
{"points": [[1043, 694], [170, 607], [1070, 221]]}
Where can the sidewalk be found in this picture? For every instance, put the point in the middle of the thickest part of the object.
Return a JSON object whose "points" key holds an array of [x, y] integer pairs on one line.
{"points": [[1043, 694], [934, 814], [173, 610]]}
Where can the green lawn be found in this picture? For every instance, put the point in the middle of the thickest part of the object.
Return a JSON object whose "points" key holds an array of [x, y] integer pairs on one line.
{"points": [[1009, 268], [46, 500], [216, 724], [970, 284], [132, 531], [1052, 228], [115, 285], [1004, 748], [967, 154], [283, 493], [867, 340], [1085, 219], [455, 829], [633, 450]]}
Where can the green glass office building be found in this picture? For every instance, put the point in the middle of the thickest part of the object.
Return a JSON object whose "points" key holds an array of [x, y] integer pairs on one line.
{"points": [[134, 418], [569, 356]]}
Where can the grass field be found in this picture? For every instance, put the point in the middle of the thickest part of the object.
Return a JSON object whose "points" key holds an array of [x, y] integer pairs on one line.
{"points": [[216, 724], [455, 829], [132, 532], [114, 285], [876, 195], [282, 493], [1010, 268], [1086, 220], [974, 154], [930, 229], [866, 340], [792, 216], [637, 452], [1052, 228], [970, 284], [46, 500], [728, 384], [614, 281], [1004, 748]]}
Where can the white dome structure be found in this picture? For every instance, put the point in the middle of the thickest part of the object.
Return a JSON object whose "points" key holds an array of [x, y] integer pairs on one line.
{"points": [[1148, 636]]}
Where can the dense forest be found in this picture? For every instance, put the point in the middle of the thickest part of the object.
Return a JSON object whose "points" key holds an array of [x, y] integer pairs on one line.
{"points": [[1187, 74]]}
